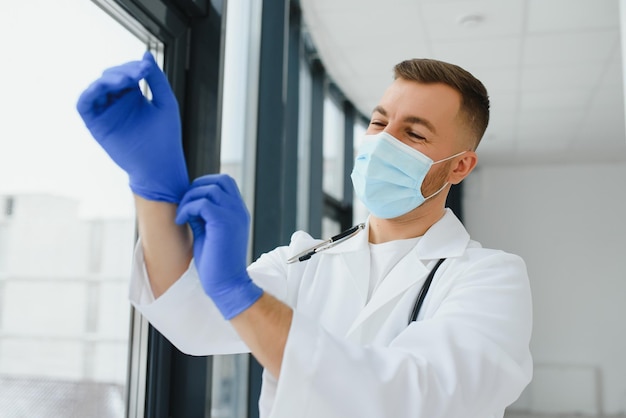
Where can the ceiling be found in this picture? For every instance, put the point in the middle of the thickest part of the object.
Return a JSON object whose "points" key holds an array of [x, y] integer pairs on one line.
{"points": [[553, 68]]}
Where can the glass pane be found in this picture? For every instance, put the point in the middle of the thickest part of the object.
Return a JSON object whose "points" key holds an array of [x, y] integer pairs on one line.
{"points": [[237, 158], [333, 148], [239, 93], [304, 146], [66, 217], [359, 211]]}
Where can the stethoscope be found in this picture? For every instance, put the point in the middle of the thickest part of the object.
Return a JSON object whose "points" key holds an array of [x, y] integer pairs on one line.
{"points": [[329, 243]]}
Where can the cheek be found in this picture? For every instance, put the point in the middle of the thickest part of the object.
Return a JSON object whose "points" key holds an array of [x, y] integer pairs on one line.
{"points": [[373, 129]]}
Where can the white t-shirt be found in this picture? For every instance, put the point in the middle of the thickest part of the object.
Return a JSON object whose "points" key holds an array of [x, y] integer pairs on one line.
{"points": [[384, 256]]}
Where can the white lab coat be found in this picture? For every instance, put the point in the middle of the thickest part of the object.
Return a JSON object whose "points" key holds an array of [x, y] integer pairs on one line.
{"points": [[467, 356]]}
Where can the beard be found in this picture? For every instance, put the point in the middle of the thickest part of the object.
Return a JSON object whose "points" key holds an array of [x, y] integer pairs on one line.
{"points": [[436, 179]]}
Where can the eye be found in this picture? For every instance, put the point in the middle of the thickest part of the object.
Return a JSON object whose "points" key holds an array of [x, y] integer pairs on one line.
{"points": [[377, 123], [415, 136]]}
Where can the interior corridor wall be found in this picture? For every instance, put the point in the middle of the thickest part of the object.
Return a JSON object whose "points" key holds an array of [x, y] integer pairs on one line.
{"points": [[569, 224]]}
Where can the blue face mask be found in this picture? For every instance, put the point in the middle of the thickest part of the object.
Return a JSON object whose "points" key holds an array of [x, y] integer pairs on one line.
{"points": [[388, 175]]}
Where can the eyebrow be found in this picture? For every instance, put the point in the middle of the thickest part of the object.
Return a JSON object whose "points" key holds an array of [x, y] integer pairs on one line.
{"points": [[408, 119]]}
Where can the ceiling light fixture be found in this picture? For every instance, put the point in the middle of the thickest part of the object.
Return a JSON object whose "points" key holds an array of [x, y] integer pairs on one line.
{"points": [[470, 20]]}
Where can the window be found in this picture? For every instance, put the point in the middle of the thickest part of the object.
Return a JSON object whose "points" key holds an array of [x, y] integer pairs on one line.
{"points": [[333, 147], [230, 372], [67, 231], [360, 212], [304, 146]]}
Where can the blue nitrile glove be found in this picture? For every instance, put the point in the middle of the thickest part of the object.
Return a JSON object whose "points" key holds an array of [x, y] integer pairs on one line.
{"points": [[220, 222], [142, 136]]}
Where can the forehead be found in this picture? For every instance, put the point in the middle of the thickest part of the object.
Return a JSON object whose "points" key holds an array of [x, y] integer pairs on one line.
{"points": [[436, 102]]}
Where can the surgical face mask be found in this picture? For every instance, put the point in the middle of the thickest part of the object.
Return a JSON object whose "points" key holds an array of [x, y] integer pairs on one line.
{"points": [[388, 175]]}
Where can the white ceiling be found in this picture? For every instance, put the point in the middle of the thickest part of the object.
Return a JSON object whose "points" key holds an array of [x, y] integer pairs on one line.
{"points": [[552, 67]]}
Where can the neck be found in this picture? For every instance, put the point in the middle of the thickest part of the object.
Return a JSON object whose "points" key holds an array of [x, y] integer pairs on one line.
{"points": [[411, 225]]}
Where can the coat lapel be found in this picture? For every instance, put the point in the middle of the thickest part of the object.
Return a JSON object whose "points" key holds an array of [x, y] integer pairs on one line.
{"points": [[408, 272]]}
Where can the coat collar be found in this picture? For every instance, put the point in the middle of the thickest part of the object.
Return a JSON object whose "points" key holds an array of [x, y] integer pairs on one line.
{"points": [[446, 238]]}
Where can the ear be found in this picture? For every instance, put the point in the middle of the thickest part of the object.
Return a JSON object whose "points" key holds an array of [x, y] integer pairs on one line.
{"points": [[462, 166]]}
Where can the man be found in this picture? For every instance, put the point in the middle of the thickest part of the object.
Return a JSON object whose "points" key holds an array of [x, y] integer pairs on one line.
{"points": [[332, 332]]}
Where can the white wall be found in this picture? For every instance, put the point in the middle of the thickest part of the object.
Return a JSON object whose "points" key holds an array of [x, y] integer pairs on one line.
{"points": [[569, 224]]}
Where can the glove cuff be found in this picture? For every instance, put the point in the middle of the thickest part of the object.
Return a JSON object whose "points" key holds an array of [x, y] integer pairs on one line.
{"points": [[170, 189], [236, 299]]}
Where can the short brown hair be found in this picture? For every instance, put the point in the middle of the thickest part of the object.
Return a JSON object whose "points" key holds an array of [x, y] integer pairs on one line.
{"points": [[474, 97]]}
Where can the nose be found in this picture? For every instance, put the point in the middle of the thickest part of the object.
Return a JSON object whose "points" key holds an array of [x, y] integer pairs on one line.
{"points": [[389, 128], [392, 130]]}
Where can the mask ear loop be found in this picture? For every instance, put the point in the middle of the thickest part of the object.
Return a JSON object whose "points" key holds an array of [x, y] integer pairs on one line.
{"points": [[450, 157], [437, 192], [446, 183]]}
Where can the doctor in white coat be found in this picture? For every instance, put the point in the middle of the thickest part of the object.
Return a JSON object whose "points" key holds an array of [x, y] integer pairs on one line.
{"points": [[333, 332]]}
